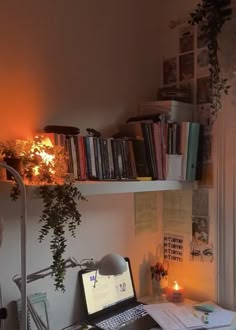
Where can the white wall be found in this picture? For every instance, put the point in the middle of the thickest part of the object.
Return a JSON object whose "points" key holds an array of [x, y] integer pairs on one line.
{"points": [[107, 226], [86, 64]]}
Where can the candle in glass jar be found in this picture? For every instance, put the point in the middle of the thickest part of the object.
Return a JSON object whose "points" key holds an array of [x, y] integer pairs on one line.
{"points": [[175, 293]]}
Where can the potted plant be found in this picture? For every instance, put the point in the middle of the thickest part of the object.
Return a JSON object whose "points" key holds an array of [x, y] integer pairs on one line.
{"points": [[45, 165], [12, 152]]}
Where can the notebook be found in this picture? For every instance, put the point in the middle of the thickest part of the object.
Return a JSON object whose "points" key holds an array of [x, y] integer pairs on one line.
{"points": [[111, 303]]}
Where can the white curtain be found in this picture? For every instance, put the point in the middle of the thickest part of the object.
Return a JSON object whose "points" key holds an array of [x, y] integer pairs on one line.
{"points": [[225, 174]]}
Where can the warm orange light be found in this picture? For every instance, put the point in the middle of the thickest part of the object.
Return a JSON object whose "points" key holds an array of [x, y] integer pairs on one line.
{"points": [[176, 286], [175, 292], [45, 157]]}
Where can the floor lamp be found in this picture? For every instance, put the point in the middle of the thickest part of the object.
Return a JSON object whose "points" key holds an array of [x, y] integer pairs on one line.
{"points": [[23, 214]]}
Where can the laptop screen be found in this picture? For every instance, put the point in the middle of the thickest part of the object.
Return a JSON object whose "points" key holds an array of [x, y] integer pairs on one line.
{"points": [[102, 292]]}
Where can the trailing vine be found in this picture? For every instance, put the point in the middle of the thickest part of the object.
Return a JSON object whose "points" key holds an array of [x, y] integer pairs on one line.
{"points": [[211, 15], [59, 213]]}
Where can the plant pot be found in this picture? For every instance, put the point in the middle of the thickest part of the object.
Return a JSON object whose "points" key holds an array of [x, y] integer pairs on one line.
{"points": [[16, 163]]}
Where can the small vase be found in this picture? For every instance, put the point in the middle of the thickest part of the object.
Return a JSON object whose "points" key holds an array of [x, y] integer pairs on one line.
{"points": [[15, 163]]}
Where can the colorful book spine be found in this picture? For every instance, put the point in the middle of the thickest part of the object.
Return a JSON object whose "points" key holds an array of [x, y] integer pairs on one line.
{"points": [[193, 140]]}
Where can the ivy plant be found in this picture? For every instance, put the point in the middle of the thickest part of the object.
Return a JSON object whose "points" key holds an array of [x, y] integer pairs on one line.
{"points": [[60, 214], [211, 15]]}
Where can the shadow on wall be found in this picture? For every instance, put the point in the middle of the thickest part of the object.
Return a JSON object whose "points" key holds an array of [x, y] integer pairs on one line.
{"points": [[145, 275], [79, 309]]}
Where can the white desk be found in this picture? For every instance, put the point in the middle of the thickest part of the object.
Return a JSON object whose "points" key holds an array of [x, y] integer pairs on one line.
{"points": [[153, 300]]}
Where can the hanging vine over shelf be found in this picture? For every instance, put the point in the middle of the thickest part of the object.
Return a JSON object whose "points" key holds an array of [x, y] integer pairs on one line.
{"points": [[45, 165], [211, 15], [60, 212]]}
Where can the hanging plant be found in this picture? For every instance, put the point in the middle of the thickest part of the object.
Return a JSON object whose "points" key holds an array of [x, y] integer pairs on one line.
{"points": [[211, 15], [45, 165], [60, 212]]}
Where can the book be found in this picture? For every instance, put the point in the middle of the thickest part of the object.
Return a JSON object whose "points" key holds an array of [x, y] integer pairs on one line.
{"points": [[140, 158], [82, 157], [174, 167], [131, 130], [174, 111], [193, 140], [184, 135]]}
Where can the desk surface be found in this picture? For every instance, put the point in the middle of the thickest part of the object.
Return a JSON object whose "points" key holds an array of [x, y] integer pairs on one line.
{"points": [[158, 300]]}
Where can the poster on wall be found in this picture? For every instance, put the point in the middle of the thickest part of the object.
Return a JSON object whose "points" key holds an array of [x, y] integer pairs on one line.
{"points": [[203, 114], [169, 71], [201, 40], [173, 247], [200, 229], [177, 211], [186, 66], [186, 38], [146, 211], [188, 86], [201, 252], [202, 62], [200, 248], [203, 90], [200, 202]]}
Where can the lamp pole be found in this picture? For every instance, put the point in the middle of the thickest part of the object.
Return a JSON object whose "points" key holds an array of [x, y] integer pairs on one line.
{"points": [[18, 178]]}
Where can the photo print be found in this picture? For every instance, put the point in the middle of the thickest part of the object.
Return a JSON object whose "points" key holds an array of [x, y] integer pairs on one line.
{"points": [[188, 87], [200, 229], [186, 66], [204, 114], [201, 41], [169, 71], [202, 62], [203, 90], [186, 39]]}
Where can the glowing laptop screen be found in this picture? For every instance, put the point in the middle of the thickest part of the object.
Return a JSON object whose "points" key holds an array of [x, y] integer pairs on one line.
{"points": [[107, 290]]}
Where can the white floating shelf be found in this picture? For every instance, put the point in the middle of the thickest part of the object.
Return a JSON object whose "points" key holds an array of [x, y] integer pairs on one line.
{"points": [[91, 188]]}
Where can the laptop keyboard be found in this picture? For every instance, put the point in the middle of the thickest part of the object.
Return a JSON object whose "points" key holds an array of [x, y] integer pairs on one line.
{"points": [[121, 319]]}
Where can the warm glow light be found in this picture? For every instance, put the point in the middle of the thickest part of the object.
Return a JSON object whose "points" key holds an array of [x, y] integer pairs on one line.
{"points": [[175, 292], [46, 158], [176, 286]]}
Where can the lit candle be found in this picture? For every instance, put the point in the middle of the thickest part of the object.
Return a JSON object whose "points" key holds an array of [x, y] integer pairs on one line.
{"points": [[175, 293]]}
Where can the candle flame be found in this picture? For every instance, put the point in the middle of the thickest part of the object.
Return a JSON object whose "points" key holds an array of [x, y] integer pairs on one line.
{"points": [[176, 285]]}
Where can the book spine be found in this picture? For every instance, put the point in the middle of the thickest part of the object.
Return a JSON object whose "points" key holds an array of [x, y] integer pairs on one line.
{"points": [[194, 129], [75, 156], [140, 158], [88, 157], [158, 149], [92, 157], [110, 159], [82, 158], [184, 140], [132, 159]]}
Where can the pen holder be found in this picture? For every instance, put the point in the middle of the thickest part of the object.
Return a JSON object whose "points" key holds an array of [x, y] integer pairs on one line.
{"points": [[175, 292]]}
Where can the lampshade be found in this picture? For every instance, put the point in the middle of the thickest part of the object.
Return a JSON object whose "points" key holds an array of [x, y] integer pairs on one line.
{"points": [[111, 264]]}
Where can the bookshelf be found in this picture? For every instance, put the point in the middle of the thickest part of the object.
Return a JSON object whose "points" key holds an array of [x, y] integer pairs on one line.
{"points": [[93, 188]]}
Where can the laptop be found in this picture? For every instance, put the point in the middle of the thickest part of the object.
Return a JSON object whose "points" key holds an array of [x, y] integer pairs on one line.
{"points": [[111, 303]]}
